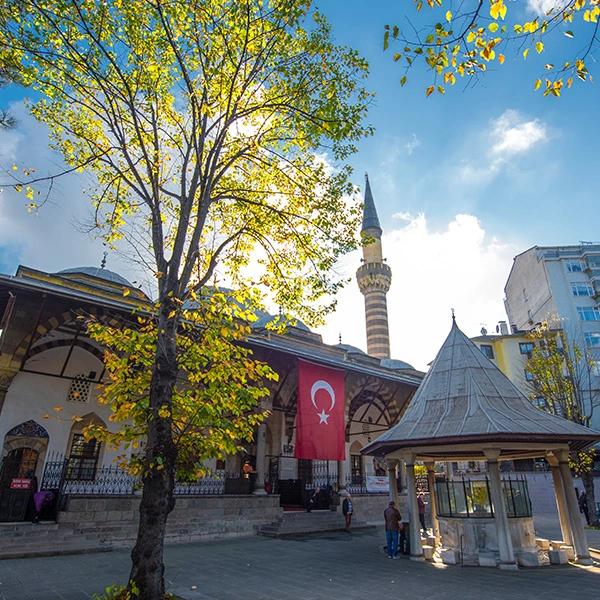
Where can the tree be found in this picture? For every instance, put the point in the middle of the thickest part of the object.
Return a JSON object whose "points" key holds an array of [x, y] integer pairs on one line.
{"points": [[217, 133], [562, 375], [464, 43]]}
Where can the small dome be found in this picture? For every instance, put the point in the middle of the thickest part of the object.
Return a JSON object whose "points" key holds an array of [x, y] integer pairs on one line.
{"points": [[98, 273], [392, 363], [265, 318], [349, 349]]}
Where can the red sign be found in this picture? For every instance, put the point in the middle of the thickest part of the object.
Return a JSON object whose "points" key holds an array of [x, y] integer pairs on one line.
{"points": [[20, 484], [320, 431]]}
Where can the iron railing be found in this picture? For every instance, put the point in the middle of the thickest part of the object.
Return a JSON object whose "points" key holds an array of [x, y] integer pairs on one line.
{"points": [[471, 498], [113, 481]]}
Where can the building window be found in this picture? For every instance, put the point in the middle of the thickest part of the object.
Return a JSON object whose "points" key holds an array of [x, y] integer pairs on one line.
{"points": [[526, 348], [592, 340], [487, 350], [83, 458], [582, 288], [356, 468], [528, 375], [540, 402], [588, 313], [575, 266], [79, 389]]}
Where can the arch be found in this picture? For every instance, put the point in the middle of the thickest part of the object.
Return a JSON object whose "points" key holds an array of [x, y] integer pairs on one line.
{"points": [[54, 322], [355, 447], [28, 434], [84, 456], [28, 429], [80, 343], [361, 404]]}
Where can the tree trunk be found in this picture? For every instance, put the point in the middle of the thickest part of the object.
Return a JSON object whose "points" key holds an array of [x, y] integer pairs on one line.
{"points": [[588, 483], [146, 580]]}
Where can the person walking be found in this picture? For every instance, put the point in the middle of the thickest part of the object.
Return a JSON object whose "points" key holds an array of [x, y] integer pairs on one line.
{"points": [[393, 524], [583, 506], [421, 505], [347, 509]]}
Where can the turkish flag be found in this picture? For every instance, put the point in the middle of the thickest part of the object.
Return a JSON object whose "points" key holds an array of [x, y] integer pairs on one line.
{"points": [[320, 414]]}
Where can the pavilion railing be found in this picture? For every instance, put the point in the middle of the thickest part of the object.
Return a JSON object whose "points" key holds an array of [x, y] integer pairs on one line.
{"points": [[471, 498]]}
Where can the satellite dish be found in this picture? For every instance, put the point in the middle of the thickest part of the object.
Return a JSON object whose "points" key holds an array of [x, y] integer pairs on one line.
{"points": [[483, 331]]}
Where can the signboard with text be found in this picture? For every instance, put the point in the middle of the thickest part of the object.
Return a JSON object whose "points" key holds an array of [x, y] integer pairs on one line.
{"points": [[378, 484]]}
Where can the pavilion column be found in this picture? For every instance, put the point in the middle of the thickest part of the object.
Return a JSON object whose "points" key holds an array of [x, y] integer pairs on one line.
{"points": [[433, 500], [416, 548], [261, 449], [505, 547], [392, 470], [402, 475], [561, 501], [579, 538]]}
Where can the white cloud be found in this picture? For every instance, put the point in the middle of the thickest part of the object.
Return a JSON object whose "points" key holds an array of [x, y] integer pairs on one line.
{"points": [[513, 135], [509, 134], [433, 270], [545, 7], [412, 144]]}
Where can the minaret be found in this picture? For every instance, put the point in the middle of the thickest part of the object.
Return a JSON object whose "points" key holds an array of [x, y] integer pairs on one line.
{"points": [[374, 279]]}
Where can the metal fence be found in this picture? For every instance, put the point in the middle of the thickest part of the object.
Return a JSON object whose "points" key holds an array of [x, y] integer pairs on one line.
{"points": [[113, 481], [471, 498]]}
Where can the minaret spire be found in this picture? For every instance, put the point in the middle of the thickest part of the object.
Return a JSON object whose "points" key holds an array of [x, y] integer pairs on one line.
{"points": [[374, 279]]}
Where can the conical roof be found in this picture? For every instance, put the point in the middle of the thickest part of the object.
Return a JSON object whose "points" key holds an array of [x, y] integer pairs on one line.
{"points": [[465, 398], [370, 218]]}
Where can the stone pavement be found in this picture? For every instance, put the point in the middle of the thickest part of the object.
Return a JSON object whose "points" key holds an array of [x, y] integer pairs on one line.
{"points": [[315, 567]]}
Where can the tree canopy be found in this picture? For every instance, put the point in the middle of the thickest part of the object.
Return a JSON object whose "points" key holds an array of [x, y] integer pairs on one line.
{"points": [[462, 40]]}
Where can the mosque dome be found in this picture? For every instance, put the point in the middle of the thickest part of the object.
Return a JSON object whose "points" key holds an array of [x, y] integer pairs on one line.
{"points": [[97, 272], [265, 318], [350, 349], [396, 365]]}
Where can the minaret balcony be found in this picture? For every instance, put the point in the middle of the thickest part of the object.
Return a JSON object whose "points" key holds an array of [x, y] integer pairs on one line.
{"points": [[373, 276]]}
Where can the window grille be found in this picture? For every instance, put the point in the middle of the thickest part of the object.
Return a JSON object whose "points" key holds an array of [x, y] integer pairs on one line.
{"points": [[79, 389]]}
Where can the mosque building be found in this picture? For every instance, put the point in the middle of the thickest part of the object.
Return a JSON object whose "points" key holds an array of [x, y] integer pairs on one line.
{"points": [[47, 361]]}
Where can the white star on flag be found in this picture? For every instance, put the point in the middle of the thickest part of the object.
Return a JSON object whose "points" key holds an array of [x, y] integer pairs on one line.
{"points": [[323, 416]]}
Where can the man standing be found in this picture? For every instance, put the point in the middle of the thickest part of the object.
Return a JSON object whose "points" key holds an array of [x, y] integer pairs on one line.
{"points": [[421, 505], [393, 524], [347, 509]]}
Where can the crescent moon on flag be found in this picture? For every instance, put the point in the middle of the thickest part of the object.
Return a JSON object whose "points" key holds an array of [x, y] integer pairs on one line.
{"points": [[322, 385]]}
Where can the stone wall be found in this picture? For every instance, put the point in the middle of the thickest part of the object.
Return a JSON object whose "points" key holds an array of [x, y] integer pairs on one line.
{"points": [[370, 508], [112, 521]]}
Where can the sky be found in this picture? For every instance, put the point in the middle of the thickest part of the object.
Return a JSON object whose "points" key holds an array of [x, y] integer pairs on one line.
{"points": [[462, 183]]}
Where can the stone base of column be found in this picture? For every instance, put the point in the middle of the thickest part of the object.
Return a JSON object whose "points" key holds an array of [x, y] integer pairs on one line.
{"points": [[417, 557], [508, 566], [259, 492]]}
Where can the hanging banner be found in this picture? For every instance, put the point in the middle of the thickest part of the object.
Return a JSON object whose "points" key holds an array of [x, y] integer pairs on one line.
{"points": [[320, 431], [378, 484]]}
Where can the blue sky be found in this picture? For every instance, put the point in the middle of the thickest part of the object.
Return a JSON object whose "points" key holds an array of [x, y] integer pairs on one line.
{"points": [[462, 182]]}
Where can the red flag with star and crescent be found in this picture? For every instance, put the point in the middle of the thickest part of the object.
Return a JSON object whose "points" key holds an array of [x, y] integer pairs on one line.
{"points": [[320, 431]]}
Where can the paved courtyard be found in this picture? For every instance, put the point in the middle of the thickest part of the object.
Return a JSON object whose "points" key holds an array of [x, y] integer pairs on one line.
{"points": [[318, 567]]}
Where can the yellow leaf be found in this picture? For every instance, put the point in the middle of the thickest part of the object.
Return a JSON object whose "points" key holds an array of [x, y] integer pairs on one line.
{"points": [[449, 16], [493, 27], [429, 91], [539, 47], [126, 292], [501, 58], [537, 85], [57, 408], [525, 52]]}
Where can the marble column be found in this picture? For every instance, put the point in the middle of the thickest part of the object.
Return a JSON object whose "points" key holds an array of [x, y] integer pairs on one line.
{"points": [[579, 538], [505, 547], [261, 449], [561, 501], [416, 548], [392, 466], [433, 500]]}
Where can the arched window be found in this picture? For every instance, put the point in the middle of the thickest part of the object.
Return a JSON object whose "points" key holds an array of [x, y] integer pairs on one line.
{"points": [[84, 455]]}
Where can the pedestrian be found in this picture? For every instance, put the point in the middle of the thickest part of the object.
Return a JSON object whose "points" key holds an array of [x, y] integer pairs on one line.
{"points": [[422, 513], [393, 524], [313, 499], [583, 506], [347, 509]]}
